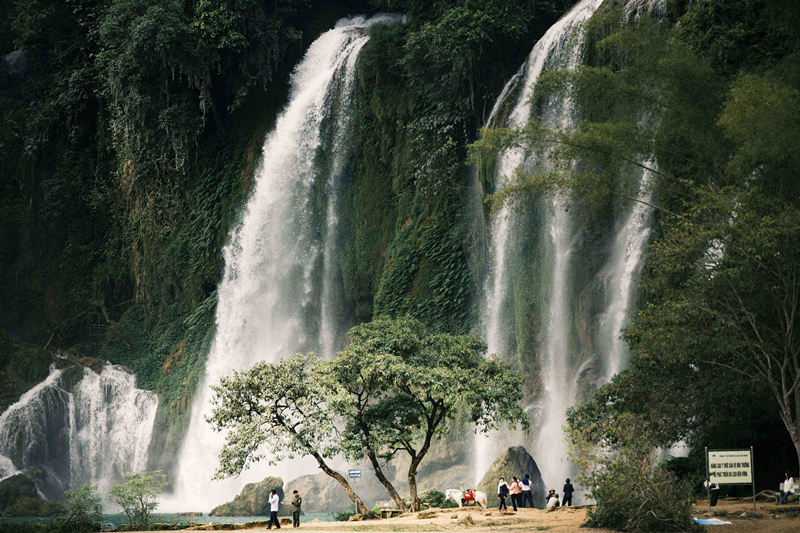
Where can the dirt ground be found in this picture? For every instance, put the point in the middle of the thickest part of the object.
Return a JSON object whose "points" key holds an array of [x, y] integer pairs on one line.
{"points": [[770, 518]]}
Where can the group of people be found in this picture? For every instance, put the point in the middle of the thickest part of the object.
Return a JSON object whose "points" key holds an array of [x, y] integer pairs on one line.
{"points": [[274, 504], [521, 495]]}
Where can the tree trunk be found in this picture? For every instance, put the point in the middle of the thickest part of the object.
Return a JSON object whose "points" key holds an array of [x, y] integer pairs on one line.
{"points": [[412, 487], [386, 483], [362, 507]]}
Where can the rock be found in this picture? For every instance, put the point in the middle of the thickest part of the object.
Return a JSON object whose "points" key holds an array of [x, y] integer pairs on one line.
{"points": [[426, 514], [321, 493], [14, 488], [466, 520], [253, 500], [515, 461], [28, 506]]}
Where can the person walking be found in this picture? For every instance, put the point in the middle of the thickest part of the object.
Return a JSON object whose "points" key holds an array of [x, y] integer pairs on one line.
{"points": [[297, 501], [502, 492], [568, 490], [274, 503], [788, 488], [515, 492], [527, 495]]}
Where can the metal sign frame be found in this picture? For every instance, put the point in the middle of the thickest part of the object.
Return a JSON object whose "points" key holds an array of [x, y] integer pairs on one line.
{"points": [[752, 475]]}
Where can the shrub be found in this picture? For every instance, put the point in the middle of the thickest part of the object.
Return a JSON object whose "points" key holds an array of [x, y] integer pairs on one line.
{"points": [[435, 498], [138, 496], [83, 511]]}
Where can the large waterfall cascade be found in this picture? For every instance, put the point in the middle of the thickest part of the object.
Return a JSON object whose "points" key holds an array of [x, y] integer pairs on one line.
{"points": [[562, 365], [278, 271], [94, 433]]}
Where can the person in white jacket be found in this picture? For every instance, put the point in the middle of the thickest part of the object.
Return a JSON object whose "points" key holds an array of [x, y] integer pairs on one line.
{"points": [[788, 488], [274, 503]]}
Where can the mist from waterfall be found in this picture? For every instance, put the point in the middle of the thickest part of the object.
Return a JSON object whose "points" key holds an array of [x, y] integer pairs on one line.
{"points": [[93, 432], [279, 293]]}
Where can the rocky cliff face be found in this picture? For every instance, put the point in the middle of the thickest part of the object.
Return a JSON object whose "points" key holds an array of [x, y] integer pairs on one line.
{"points": [[515, 461]]}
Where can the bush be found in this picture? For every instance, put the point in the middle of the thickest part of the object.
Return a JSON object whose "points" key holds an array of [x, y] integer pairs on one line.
{"points": [[138, 496], [343, 516], [27, 506], [435, 498], [83, 511], [635, 494]]}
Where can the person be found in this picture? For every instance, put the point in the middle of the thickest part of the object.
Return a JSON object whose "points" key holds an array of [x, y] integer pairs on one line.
{"points": [[552, 500], [502, 492], [713, 493], [788, 488], [274, 502], [527, 495], [297, 501], [515, 492], [568, 490], [468, 497]]}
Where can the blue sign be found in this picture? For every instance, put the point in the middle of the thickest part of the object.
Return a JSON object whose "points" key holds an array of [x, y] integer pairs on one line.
{"points": [[354, 474]]}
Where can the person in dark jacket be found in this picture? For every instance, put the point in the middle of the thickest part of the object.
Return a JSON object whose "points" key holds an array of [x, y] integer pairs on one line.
{"points": [[502, 492], [296, 502], [568, 490]]}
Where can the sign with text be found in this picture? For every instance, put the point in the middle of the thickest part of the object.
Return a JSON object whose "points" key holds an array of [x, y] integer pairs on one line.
{"points": [[730, 467], [354, 474]]}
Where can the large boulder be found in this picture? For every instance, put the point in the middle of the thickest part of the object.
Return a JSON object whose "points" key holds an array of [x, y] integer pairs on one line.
{"points": [[515, 461], [321, 493], [14, 488], [253, 500]]}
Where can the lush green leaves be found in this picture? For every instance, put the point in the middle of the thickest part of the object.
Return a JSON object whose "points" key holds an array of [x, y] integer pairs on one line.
{"points": [[138, 496]]}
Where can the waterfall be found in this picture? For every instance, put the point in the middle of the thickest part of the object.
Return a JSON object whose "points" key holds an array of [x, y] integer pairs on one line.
{"points": [[578, 344], [272, 302], [91, 432], [554, 49]]}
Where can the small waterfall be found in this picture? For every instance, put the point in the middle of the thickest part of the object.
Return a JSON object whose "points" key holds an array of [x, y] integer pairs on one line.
{"points": [[93, 433], [553, 50], [272, 302]]}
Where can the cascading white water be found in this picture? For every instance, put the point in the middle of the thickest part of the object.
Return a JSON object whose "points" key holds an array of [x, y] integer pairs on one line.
{"points": [[551, 51], [621, 273], [271, 286], [95, 433], [111, 437]]}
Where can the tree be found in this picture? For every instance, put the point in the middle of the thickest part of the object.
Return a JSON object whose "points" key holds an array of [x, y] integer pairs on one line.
{"points": [[83, 510], [405, 385], [282, 406], [138, 496]]}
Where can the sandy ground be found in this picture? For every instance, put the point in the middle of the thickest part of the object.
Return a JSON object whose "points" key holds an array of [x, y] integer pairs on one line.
{"points": [[772, 519]]}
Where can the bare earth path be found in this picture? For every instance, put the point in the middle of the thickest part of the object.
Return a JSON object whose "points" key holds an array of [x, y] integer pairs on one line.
{"points": [[774, 519]]}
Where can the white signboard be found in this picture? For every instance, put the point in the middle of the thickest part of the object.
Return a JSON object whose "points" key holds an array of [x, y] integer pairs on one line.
{"points": [[354, 474], [730, 467]]}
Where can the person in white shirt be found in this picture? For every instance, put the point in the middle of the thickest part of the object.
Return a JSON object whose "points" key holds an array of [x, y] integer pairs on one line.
{"points": [[788, 488], [274, 503]]}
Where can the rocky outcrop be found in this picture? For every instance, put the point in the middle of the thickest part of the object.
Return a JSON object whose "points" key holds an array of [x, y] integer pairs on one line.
{"points": [[253, 500], [321, 493], [515, 461], [14, 488]]}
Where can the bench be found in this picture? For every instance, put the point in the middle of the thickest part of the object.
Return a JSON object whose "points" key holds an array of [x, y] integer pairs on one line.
{"points": [[390, 513]]}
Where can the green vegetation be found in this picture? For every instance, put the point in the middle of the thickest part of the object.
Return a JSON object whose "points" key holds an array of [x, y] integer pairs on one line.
{"points": [[83, 510], [395, 388], [138, 496]]}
